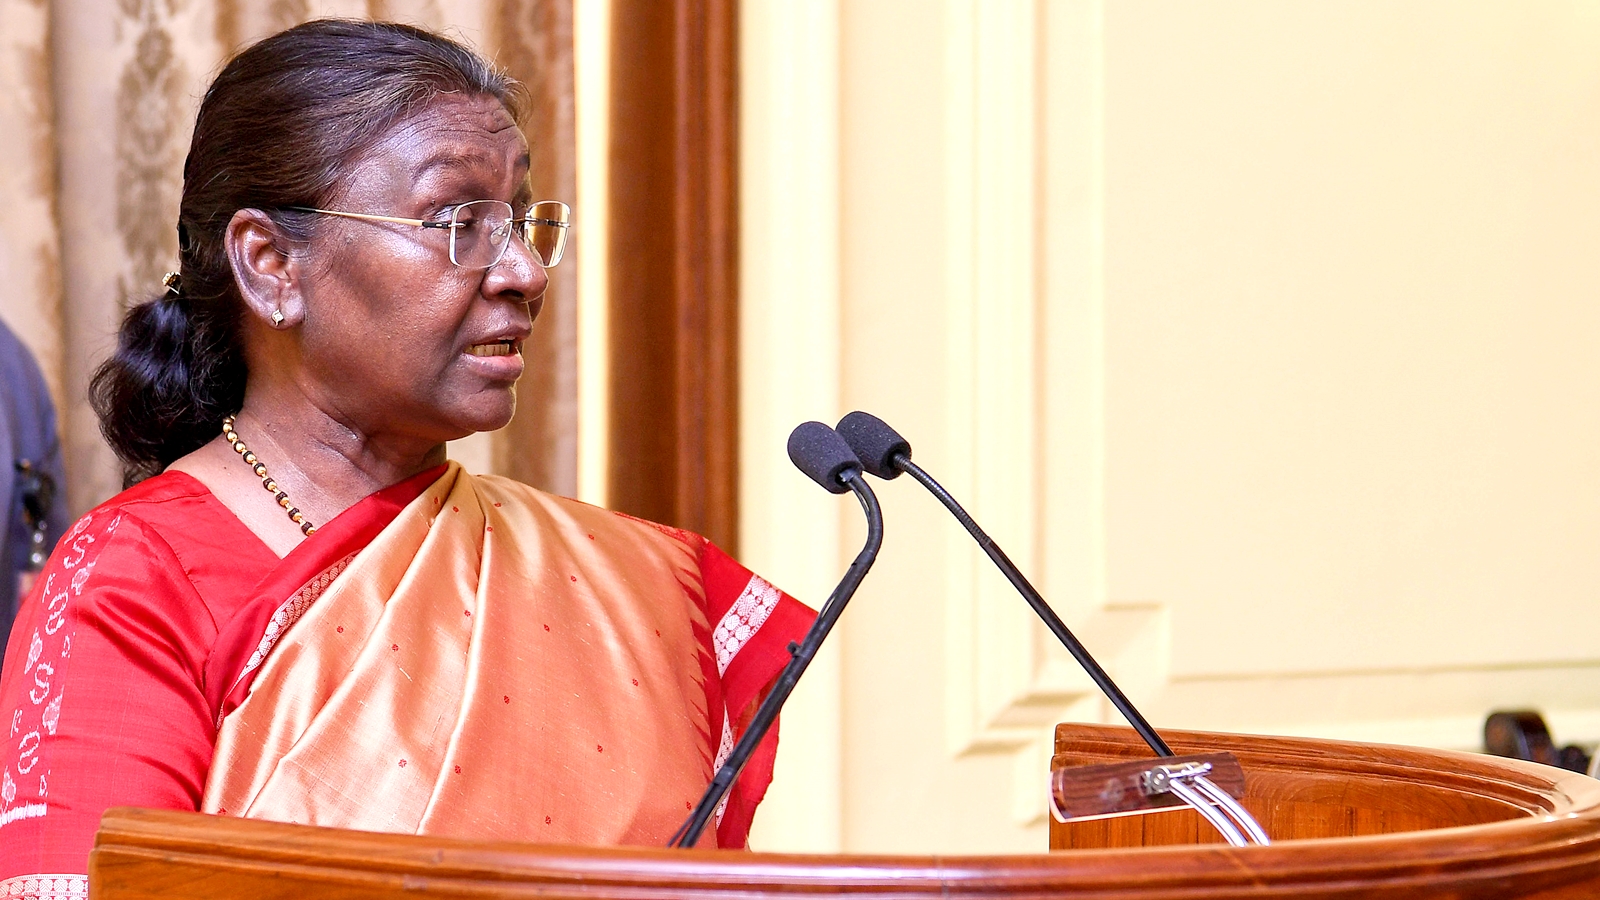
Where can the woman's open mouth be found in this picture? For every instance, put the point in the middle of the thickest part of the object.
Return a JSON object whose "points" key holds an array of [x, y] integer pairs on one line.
{"points": [[506, 347]]}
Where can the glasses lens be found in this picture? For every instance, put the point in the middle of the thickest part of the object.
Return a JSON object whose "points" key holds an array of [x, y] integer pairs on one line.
{"points": [[479, 232], [545, 230]]}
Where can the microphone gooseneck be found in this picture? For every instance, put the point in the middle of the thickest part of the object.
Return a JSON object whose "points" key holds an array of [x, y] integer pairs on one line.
{"points": [[828, 460], [878, 445]]}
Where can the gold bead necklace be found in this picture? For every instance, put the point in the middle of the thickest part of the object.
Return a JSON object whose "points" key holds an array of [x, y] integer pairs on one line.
{"points": [[260, 468]]}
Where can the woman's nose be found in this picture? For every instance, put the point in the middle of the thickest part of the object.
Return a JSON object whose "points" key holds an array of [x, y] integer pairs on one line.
{"points": [[518, 272]]}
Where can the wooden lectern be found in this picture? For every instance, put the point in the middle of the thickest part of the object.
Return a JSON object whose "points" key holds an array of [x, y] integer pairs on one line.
{"points": [[1347, 820]]}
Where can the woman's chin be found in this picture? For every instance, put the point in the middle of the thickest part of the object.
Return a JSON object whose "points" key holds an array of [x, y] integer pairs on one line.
{"points": [[483, 413]]}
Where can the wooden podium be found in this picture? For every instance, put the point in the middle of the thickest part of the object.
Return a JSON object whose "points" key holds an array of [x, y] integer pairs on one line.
{"points": [[1347, 820]]}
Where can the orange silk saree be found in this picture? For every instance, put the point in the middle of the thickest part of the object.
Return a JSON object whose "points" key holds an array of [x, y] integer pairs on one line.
{"points": [[500, 663]]}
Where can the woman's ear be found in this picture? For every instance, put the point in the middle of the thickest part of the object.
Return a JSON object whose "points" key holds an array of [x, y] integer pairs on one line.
{"points": [[267, 274]]}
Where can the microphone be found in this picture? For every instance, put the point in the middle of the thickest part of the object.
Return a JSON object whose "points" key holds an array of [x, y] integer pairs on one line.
{"points": [[822, 455], [884, 453]]}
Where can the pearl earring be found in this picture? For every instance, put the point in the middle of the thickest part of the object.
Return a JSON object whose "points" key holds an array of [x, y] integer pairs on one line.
{"points": [[277, 318]]}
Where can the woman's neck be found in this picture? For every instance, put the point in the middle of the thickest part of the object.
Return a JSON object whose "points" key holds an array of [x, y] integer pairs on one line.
{"points": [[339, 460], [321, 462]]}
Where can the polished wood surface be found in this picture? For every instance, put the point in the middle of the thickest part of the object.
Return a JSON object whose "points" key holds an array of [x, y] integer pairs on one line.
{"points": [[1454, 824], [1489, 828], [674, 267], [1300, 788]]}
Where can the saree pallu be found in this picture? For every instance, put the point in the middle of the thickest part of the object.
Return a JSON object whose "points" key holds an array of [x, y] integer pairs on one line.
{"points": [[500, 663]]}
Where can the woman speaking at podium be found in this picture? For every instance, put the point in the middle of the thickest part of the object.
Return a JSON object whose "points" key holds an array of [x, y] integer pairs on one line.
{"points": [[299, 610]]}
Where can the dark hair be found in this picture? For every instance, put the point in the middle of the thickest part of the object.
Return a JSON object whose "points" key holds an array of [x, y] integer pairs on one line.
{"points": [[277, 129]]}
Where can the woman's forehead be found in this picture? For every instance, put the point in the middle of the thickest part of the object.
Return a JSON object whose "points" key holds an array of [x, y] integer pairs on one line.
{"points": [[452, 138]]}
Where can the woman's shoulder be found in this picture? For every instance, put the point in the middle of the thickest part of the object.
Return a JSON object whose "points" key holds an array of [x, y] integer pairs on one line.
{"points": [[632, 541], [171, 526], [175, 503], [149, 495], [153, 503], [578, 512]]}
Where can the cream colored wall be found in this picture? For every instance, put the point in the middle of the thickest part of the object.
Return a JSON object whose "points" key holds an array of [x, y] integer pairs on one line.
{"points": [[1369, 282], [1264, 334]]}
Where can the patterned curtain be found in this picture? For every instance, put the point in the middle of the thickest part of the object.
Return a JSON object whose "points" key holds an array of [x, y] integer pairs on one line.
{"points": [[95, 130], [30, 244]]}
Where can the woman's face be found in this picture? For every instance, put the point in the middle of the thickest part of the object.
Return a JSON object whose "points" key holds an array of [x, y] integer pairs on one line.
{"points": [[396, 338]]}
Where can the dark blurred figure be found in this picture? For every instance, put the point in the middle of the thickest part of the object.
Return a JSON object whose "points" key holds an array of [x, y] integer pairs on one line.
{"points": [[33, 510]]}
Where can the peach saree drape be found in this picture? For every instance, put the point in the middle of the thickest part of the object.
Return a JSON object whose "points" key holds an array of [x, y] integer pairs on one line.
{"points": [[499, 663]]}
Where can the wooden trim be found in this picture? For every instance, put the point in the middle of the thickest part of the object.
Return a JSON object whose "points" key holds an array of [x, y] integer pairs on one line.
{"points": [[674, 264], [1348, 820]]}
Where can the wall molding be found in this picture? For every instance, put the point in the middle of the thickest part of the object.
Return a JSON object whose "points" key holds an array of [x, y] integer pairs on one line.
{"points": [[1025, 316], [673, 198], [789, 320]]}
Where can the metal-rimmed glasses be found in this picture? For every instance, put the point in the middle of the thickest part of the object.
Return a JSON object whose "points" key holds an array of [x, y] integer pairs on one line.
{"points": [[480, 230]]}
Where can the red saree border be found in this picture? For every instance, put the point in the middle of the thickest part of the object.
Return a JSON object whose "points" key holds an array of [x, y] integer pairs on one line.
{"points": [[762, 660], [737, 597], [45, 887]]}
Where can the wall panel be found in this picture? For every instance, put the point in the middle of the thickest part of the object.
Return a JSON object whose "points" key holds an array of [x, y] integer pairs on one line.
{"points": [[790, 244], [1351, 344], [1262, 332]]}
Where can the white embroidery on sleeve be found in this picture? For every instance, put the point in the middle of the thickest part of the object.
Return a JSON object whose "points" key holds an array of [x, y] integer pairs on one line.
{"points": [[45, 887], [38, 712]]}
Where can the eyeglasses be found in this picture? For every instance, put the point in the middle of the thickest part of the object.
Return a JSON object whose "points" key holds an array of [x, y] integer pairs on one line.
{"points": [[480, 231]]}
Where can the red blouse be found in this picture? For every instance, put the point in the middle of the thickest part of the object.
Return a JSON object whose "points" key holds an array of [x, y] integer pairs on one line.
{"points": [[139, 616]]}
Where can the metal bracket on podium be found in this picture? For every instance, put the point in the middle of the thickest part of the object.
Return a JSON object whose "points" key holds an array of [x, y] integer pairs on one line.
{"points": [[1119, 789], [1189, 783]]}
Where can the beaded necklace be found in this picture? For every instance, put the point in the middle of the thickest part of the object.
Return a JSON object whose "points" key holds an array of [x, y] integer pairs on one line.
{"points": [[260, 468]]}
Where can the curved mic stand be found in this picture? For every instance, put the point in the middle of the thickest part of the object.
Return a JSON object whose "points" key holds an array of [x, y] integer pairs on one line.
{"points": [[689, 832], [1041, 608], [1084, 791], [1181, 777]]}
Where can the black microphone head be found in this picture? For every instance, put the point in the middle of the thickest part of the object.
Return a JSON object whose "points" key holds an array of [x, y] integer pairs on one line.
{"points": [[818, 451], [875, 443]]}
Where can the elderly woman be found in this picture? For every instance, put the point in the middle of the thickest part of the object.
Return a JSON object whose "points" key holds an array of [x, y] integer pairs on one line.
{"points": [[300, 610]]}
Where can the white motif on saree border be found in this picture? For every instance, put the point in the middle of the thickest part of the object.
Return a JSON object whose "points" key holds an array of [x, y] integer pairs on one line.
{"points": [[284, 617], [35, 719], [724, 748], [45, 887], [741, 622], [18, 813]]}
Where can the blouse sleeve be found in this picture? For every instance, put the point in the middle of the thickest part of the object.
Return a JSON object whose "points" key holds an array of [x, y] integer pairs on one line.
{"points": [[101, 697]]}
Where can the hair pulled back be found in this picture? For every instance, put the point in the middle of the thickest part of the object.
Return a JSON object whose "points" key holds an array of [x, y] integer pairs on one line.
{"points": [[278, 128]]}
